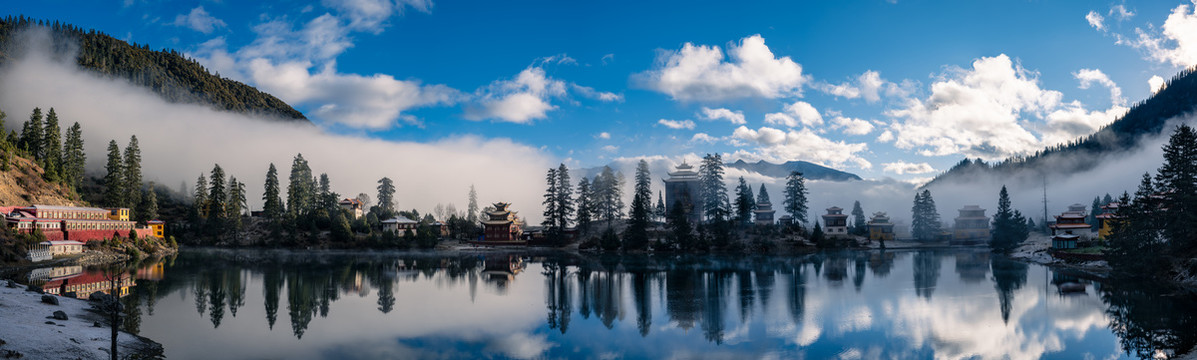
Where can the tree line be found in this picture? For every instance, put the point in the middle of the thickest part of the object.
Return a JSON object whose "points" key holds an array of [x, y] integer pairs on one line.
{"points": [[599, 201]]}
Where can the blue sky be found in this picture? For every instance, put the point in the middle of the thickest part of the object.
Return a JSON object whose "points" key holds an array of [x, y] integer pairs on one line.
{"points": [[901, 89]]}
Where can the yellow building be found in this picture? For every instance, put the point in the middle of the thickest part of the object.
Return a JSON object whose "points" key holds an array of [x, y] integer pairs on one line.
{"points": [[1106, 220], [157, 226], [972, 224], [121, 214], [880, 229]]}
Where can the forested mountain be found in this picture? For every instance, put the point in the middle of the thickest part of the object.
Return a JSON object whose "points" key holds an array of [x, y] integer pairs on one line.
{"points": [[809, 170], [1146, 118], [166, 72]]}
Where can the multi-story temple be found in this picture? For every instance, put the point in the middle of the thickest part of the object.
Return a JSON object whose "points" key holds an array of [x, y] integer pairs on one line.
{"points": [[76, 223], [835, 222], [971, 225], [1071, 221], [682, 188], [764, 209], [500, 225], [880, 229]]}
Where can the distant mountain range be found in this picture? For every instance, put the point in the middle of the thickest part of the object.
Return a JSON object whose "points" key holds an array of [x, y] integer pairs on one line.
{"points": [[165, 72], [1146, 118], [809, 170]]}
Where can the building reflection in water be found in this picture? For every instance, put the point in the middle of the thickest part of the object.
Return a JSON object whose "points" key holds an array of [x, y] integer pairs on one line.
{"points": [[720, 300]]}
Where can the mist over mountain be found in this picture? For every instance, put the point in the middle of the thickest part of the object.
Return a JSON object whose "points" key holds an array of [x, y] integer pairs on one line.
{"points": [[165, 72], [1140, 126], [809, 170]]}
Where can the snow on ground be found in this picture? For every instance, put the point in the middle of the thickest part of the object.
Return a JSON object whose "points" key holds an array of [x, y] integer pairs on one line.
{"points": [[24, 329]]}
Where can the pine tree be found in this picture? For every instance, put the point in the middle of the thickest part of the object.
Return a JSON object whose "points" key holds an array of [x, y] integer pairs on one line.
{"points": [[300, 189], [659, 212], [200, 197], [1009, 228], [52, 146], [711, 189], [816, 236], [114, 180], [217, 197], [73, 158], [328, 199], [795, 196], [1094, 210], [564, 204], [681, 233], [1136, 239], [608, 195], [1107, 199], [31, 135], [149, 204], [272, 208], [235, 204], [1177, 181], [744, 203], [636, 236], [386, 195], [472, 207], [585, 204], [550, 203], [858, 219], [925, 224], [132, 172]]}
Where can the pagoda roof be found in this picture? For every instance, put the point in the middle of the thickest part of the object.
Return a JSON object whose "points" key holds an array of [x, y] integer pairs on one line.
{"points": [[496, 222], [399, 220]]}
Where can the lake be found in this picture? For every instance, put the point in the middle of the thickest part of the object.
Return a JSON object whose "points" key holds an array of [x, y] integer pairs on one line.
{"points": [[226, 304]]}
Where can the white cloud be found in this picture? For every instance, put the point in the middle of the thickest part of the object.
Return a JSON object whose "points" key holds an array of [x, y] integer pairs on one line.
{"points": [[1090, 76], [1096, 20], [902, 167], [805, 113], [1071, 121], [975, 112], [591, 93], [778, 146], [886, 136], [371, 15], [1177, 44], [604, 135], [519, 100], [699, 72], [781, 119], [1121, 12], [852, 126], [704, 137], [607, 59], [610, 148], [845, 90], [1156, 83], [199, 20], [868, 85], [735, 117], [677, 124]]}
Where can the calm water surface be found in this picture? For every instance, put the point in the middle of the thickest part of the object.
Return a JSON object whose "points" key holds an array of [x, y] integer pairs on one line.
{"points": [[927, 304]]}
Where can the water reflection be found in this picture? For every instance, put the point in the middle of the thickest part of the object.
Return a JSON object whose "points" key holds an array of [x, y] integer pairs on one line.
{"points": [[899, 304]]}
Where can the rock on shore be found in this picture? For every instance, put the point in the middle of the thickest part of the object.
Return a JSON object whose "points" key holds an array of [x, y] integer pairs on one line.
{"points": [[31, 329]]}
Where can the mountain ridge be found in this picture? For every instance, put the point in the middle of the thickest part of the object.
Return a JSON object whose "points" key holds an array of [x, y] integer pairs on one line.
{"points": [[165, 72]]}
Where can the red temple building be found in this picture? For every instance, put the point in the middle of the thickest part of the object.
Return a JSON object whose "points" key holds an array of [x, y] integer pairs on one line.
{"points": [[500, 225]]}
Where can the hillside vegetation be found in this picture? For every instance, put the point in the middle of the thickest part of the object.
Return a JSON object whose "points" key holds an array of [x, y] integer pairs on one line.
{"points": [[23, 184], [1146, 118], [166, 72]]}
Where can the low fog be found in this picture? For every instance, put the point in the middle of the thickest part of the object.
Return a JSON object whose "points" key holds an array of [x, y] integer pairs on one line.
{"points": [[179, 142]]}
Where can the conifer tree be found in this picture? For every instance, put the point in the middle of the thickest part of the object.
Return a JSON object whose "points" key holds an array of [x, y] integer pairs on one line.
{"points": [[328, 198], [471, 208], [585, 204], [1136, 239], [300, 189], [858, 219], [217, 197], [132, 173], [272, 208], [1009, 226], [52, 146], [716, 205], [235, 204], [1094, 210], [925, 223], [744, 203], [386, 195], [550, 202], [795, 196], [114, 179], [73, 157], [659, 212], [1177, 181], [149, 205], [31, 135], [200, 197], [636, 236], [608, 195], [681, 233]]}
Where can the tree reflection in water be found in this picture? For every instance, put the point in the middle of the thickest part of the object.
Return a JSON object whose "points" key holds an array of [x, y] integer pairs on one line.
{"points": [[729, 299]]}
